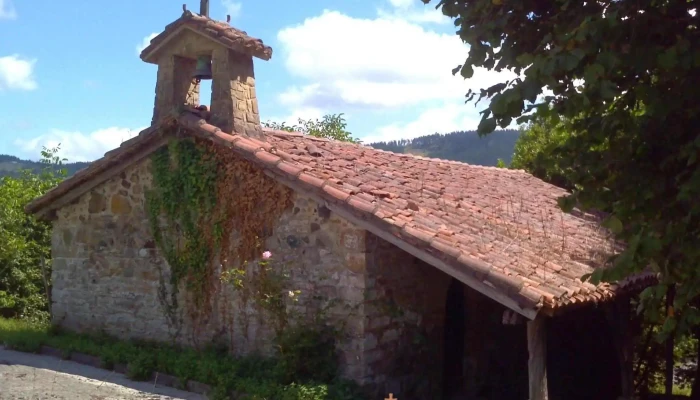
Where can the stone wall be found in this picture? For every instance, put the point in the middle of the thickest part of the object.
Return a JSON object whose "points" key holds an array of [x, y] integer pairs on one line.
{"points": [[107, 273], [404, 313], [104, 261]]}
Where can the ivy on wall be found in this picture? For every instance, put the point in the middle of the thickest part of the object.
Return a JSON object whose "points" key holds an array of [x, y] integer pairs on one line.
{"points": [[180, 209], [207, 209], [210, 212]]}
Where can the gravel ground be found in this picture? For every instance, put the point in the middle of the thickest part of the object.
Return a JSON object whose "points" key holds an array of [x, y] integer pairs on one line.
{"points": [[35, 377]]}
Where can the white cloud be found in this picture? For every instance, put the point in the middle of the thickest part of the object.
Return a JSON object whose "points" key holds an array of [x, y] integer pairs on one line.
{"points": [[449, 117], [232, 8], [401, 3], [145, 42], [386, 62], [77, 146], [412, 11], [400, 60], [7, 10], [17, 73]]}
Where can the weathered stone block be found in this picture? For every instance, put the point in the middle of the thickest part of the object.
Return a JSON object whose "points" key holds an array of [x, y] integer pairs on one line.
{"points": [[355, 262], [120, 204], [97, 203]]}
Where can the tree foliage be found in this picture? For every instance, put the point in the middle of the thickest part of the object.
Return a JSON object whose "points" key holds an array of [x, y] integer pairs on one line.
{"points": [[25, 240], [536, 151], [331, 126], [624, 73]]}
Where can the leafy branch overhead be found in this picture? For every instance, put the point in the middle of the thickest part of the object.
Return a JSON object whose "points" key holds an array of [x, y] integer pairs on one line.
{"points": [[623, 74]]}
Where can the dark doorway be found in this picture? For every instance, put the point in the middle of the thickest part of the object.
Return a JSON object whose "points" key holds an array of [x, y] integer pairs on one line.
{"points": [[455, 325], [581, 341]]}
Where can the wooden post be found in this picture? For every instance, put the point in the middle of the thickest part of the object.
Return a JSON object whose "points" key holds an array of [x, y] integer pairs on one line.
{"points": [[537, 363]]}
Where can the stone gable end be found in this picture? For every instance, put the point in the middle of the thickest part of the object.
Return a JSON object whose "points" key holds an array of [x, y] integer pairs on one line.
{"points": [[107, 270]]}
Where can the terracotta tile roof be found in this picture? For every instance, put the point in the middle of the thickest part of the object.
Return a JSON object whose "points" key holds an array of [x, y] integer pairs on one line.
{"points": [[219, 31], [501, 226]]}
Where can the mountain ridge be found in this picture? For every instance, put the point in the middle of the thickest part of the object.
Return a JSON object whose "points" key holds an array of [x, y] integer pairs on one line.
{"points": [[12, 166]]}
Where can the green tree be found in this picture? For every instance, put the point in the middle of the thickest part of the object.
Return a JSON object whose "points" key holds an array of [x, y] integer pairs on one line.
{"points": [[25, 241], [624, 74], [331, 126], [536, 151]]}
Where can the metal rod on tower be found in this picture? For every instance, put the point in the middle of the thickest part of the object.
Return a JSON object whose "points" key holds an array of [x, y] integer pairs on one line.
{"points": [[204, 7]]}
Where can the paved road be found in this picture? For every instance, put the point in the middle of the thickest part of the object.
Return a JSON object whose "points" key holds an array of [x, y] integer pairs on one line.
{"points": [[25, 376]]}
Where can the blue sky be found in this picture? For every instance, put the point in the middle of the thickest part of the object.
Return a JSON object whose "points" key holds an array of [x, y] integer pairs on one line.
{"points": [[70, 71]]}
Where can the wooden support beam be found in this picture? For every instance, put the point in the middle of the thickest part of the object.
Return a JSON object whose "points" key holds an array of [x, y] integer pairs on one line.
{"points": [[537, 362]]}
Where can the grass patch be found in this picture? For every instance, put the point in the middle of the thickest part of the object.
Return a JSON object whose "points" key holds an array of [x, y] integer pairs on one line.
{"points": [[259, 378]]}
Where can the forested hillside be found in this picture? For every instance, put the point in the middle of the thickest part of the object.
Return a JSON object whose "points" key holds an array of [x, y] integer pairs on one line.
{"points": [[11, 166], [464, 146]]}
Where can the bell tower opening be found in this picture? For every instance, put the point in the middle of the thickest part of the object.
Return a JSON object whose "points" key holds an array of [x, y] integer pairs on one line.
{"points": [[205, 93], [203, 77]]}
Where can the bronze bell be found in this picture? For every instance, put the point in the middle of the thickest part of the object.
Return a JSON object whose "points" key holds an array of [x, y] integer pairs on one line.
{"points": [[203, 69]]}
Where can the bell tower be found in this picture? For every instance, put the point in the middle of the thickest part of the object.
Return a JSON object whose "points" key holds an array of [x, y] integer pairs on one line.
{"points": [[195, 48]]}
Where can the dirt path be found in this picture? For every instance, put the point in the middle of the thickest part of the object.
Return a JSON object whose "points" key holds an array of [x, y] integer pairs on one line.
{"points": [[34, 377]]}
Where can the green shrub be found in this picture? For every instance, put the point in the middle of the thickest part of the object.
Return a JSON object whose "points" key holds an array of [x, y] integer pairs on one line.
{"points": [[26, 241], [305, 370], [308, 354]]}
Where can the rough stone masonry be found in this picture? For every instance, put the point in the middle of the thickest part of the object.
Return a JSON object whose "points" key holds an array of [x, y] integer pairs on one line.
{"points": [[107, 273], [106, 278]]}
